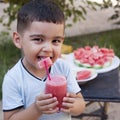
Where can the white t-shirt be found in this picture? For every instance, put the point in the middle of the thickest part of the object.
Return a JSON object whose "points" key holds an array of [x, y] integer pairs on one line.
{"points": [[20, 87]]}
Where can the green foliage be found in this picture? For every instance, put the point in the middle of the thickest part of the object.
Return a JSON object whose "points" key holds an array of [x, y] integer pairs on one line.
{"points": [[11, 11], [21, 2], [116, 15], [68, 7], [9, 54]]}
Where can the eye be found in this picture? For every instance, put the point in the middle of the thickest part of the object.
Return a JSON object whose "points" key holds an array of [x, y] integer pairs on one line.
{"points": [[57, 42], [37, 40]]}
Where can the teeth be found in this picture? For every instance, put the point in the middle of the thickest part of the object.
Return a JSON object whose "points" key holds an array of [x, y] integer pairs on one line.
{"points": [[42, 57]]}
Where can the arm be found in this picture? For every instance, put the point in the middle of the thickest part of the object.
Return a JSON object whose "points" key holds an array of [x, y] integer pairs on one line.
{"points": [[44, 104], [30, 113], [73, 104]]}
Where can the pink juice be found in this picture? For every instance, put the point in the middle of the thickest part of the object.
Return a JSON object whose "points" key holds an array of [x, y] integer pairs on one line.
{"points": [[57, 86]]}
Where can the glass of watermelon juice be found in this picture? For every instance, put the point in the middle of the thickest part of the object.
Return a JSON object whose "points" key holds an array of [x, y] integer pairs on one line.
{"points": [[57, 86]]}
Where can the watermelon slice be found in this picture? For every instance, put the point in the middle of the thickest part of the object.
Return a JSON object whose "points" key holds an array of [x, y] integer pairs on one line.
{"points": [[80, 64], [83, 74], [93, 57], [48, 61]]}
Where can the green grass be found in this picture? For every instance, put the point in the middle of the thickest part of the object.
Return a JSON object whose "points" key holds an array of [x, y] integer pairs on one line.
{"points": [[9, 54]]}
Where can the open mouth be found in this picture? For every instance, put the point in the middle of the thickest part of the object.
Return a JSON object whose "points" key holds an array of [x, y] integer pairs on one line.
{"points": [[43, 57], [44, 62]]}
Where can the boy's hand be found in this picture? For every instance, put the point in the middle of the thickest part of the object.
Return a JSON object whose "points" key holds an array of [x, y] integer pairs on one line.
{"points": [[68, 102], [46, 104]]}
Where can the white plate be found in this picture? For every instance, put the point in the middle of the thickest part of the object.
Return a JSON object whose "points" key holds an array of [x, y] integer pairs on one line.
{"points": [[93, 75], [75, 68], [115, 63]]}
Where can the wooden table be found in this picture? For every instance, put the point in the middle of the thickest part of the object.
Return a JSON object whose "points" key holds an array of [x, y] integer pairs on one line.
{"points": [[104, 88]]}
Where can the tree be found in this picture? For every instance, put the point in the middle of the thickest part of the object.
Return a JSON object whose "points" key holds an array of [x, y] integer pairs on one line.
{"points": [[110, 4], [107, 4], [68, 7]]}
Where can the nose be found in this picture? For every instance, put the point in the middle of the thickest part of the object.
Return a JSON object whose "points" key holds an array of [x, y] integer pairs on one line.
{"points": [[47, 47]]}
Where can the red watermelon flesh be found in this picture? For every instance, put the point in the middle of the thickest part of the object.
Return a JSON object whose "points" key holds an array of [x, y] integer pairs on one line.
{"points": [[94, 55], [48, 61], [83, 74]]}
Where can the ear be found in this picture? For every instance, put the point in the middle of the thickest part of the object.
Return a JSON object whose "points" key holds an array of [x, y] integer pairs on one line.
{"points": [[17, 39]]}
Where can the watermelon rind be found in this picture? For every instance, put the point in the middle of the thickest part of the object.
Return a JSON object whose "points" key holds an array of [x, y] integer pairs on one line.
{"points": [[77, 62], [107, 64], [87, 65], [97, 66]]}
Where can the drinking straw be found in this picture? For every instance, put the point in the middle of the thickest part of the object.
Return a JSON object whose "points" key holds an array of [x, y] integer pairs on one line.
{"points": [[47, 71]]}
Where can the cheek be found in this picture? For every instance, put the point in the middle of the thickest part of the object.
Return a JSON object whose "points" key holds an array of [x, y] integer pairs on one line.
{"points": [[30, 50], [58, 52]]}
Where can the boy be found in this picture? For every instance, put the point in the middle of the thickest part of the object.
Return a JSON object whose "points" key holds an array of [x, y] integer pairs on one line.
{"points": [[40, 34]]}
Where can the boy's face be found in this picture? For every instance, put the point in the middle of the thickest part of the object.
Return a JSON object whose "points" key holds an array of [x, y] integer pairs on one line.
{"points": [[41, 39]]}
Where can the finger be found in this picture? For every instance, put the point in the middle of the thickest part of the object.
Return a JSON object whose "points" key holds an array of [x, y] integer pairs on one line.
{"points": [[67, 105], [46, 101], [69, 100], [43, 96], [51, 111], [73, 95], [46, 104], [49, 106]]}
